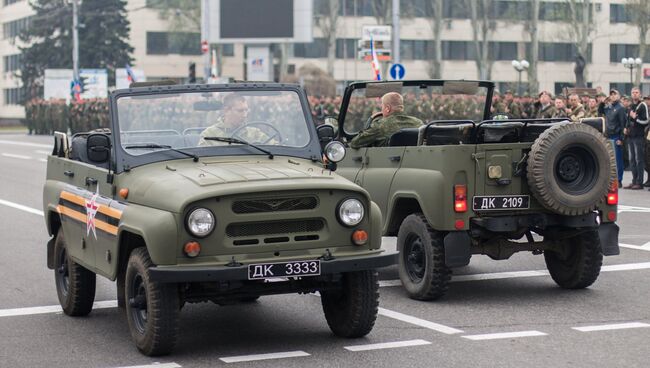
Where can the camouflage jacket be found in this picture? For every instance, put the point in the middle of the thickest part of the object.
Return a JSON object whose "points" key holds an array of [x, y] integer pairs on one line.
{"points": [[513, 110], [577, 113], [377, 135], [545, 112]]}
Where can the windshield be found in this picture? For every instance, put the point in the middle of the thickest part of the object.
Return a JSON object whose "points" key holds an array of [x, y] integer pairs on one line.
{"points": [[427, 103], [156, 122]]}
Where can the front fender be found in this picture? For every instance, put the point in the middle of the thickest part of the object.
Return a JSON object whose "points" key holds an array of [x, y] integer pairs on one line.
{"points": [[375, 226], [158, 228], [425, 186]]}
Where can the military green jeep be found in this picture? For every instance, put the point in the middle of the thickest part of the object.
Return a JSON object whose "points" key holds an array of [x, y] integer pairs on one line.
{"points": [[176, 215], [464, 184]]}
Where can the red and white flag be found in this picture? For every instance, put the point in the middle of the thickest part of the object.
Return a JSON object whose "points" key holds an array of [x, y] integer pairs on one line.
{"points": [[374, 62]]}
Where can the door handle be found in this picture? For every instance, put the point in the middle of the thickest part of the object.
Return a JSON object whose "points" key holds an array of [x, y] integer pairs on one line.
{"points": [[69, 173], [91, 181], [357, 158], [395, 158]]}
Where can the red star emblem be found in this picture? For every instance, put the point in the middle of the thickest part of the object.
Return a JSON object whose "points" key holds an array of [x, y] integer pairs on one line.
{"points": [[91, 211]]}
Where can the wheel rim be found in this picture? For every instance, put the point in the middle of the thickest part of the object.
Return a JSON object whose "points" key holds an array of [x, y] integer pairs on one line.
{"points": [[63, 273], [414, 257], [138, 303], [576, 170]]}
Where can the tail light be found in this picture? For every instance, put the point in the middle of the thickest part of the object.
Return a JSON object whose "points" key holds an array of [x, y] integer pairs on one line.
{"points": [[612, 195], [460, 198]]}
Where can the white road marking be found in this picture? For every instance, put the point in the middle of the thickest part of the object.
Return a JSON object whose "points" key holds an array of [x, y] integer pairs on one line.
{"points": [[645, 246], [155, 365], [418, 322], [387, 345], [624, 208], [504, 335], [50, 309], [21, 207], [26, 144], [250, 358], [11, 155], [42, 159], [617, 326], [44, 152], [626, 267]]}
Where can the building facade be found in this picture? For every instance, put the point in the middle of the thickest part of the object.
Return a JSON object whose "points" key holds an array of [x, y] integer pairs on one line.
{"points": [[163, 53]]}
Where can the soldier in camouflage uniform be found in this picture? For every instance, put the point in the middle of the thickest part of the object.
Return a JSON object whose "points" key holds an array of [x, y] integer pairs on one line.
{"points": [[576, 110], [235, 111], [592, 109], [512, 108], [393, 119], [545, 110], [560, 108]]}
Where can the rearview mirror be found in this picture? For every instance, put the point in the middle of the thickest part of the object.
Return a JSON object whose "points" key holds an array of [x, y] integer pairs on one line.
{"points": [[98, 147]]}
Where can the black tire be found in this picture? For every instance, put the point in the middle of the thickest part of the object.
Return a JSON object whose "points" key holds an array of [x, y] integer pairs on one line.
{"points": [[152, 309], [580, 266], [422, 268], [352, 310], [119, 284], [571, 166], [75, 285]]}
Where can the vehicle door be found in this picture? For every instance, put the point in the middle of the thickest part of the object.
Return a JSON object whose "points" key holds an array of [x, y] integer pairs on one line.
{"points": [[380, 165]]}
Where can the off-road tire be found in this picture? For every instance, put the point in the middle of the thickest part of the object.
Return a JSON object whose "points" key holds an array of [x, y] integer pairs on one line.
{"points": [[580, 266], [75, 285], [351, 311], [422, 268], [154, 329], [561, 166]]}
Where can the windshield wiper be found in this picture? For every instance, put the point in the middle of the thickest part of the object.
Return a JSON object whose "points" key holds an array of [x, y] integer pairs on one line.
{"points": [[154, 145], [240, 141]]}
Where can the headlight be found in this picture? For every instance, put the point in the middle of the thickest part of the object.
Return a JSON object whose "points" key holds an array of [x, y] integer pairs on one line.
{"points": [[200, 222], [351, 212], [335, 151]]}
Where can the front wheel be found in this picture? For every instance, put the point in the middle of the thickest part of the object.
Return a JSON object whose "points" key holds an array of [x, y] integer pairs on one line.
{"points": [[578, 265], [351, 311], [152, 308], [75, 285], [422, 268]]}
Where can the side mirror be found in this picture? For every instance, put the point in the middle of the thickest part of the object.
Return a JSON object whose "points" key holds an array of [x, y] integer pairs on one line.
{"points": [[98, 148], [332, 121], [326, 134]]}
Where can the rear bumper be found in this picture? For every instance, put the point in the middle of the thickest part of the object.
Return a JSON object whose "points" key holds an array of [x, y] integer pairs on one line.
{"points": [[173, 274]]}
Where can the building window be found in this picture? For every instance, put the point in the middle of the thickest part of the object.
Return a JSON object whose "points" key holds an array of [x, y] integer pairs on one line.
{"points": [[623, 88], [14, 96], [500, 51], [563, 52], [12, 29], [9, 2], [346, 48], [164, 43], [618, 51], [458, 50], [228, 49], [618, 14], [314, 50], [12, 62]]}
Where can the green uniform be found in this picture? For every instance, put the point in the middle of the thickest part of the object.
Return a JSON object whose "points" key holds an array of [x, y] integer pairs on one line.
{"points": [[513, 110], [592, 113], [251, 134], [377, 135], [545, 112], [577, 113]]}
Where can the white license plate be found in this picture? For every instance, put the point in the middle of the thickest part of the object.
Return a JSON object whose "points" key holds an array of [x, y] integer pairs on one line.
{"points": [[507, 202], [284, 269]]}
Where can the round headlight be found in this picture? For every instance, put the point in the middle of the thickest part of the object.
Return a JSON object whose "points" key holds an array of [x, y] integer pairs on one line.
{"points": [[351, 212], [335, 151], [200, 222]]}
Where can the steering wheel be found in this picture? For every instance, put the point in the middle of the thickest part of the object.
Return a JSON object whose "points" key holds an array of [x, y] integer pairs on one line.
{"points": [[257, 124]]}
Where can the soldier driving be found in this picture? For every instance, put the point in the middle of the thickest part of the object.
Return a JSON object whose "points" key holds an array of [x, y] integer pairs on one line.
{"points": [[392, 120]]}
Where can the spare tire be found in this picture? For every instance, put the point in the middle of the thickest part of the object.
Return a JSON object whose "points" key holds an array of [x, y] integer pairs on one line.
{"points": [[571, 166]]}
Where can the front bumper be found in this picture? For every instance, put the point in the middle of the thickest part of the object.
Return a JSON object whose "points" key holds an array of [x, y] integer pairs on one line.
{"points": [[173, 274]]}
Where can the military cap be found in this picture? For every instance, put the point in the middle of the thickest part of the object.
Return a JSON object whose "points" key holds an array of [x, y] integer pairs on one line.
{"points": [[601, 94], [508, 92]]}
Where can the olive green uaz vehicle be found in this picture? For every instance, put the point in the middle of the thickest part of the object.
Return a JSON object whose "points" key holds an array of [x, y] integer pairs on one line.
{"points": [[463, 184], [209, 193]]}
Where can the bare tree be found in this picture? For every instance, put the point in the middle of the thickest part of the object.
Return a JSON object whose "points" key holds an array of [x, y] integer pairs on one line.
{"points": [[639, 14], [582, 27], [533, 34], [481, 35], [327, 22], [434, 7]]}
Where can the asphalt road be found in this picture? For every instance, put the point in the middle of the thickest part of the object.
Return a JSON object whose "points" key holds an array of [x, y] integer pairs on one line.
{"points": [[496, 314]]}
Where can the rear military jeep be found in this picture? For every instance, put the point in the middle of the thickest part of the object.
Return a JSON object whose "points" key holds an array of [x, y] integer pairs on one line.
{"points": [[464, 184], [209, 193]]}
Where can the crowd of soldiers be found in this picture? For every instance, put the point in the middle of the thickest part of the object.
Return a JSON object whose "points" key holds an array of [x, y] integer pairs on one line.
{"points": [[47, 116]]}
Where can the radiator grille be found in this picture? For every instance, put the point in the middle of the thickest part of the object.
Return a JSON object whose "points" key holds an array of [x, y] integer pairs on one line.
{"points": [[274, 204], [274, 227]]}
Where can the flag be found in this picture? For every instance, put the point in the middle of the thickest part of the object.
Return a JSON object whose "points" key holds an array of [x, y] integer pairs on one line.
{"points": [[374, 62], [213, 64], [129, 74]]}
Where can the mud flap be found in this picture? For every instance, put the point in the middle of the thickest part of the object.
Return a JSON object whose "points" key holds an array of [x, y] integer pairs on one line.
{"points": [[457, 249], [50, 253], [608, 234]]}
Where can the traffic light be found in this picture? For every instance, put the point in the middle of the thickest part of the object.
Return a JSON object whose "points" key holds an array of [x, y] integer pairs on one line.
{"points": [[192, 72]]}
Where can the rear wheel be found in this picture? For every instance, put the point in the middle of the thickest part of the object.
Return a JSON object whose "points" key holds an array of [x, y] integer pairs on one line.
{"points": [[578, 266], [152, 308], [422, 268], [352, 310], [75, 285]]}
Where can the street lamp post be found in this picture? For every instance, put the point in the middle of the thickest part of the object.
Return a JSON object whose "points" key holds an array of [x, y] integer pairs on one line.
{"points": [[632, 63], [520, 66]]}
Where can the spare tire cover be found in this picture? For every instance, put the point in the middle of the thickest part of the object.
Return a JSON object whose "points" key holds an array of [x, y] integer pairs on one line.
{"points": [[571, 167]]}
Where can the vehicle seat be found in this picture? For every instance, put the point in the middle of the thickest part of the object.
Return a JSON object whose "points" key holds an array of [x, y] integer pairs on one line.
{"points": [[507, 132], [79, 147], [448, 134], [405, 137]]}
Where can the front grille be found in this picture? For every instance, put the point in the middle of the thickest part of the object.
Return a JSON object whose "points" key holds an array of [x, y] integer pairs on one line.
{"points": [[274, 204], [274, 227]]}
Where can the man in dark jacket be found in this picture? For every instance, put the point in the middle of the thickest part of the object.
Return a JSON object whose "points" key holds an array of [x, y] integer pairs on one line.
{"points": [[616, 119], [634, 131]]}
